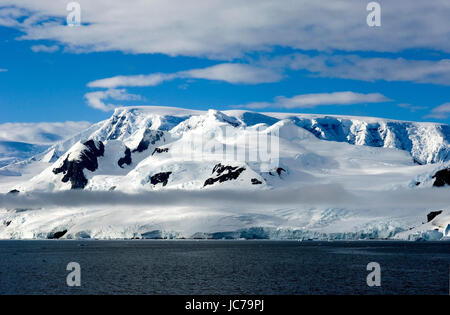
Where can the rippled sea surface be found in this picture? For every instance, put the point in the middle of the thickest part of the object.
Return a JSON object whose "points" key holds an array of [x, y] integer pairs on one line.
{"points": [[223, 267]]}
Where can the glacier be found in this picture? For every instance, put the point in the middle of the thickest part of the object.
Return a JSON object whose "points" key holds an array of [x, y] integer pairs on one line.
{"points": [[161, 172]]}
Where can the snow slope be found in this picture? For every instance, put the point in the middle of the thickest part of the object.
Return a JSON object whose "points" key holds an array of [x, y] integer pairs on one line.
{"points": [[156, 172]]}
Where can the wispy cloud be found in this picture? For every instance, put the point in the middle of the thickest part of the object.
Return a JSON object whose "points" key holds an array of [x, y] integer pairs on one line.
{"points": [[321, 99], [97, 99], [368, 69], [440, 112], [132, 80], [3, 70], [227, 72], [411, 108], [266, 71], [234, 73], [44, 48], [9, 16]]}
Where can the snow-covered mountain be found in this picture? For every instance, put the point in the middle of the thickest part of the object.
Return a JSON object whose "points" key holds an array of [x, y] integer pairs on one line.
{"points": [[172, 172]]}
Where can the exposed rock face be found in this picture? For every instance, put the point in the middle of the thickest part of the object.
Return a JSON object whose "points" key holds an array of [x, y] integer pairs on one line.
{"points": [[13, 192], [160, 178], [432, 215], [160, 150], [57, 235], [73, 169], [442, 178], [279, 170], [126, 159], [255, 181], [224, 173], [150, 137]]}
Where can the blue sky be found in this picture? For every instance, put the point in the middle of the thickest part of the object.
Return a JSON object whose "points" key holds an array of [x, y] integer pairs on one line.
{"points": [[51, 72]]}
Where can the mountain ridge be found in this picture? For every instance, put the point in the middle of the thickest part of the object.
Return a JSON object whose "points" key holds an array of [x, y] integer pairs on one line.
{"points": [[335, 178]]}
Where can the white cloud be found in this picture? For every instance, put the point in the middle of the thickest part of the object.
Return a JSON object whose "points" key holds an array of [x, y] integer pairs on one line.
{"points": [[234, 73], [41, 133], [228, 72], [321, 99], [440, 112], [227, 29], [368, 69], [266, 71], [3, 70], [43, 48], [97, 99], [132, 80]]}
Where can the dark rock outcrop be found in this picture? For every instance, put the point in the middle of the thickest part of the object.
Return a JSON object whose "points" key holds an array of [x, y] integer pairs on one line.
{"points": [[224, 173], [57, 235], [126, 159], [160, 178], [13, 192], [150, 137], [73, 170], [160, 150], [442, 178], [278, 171], [433, 214], [417, 162], [255, 181]]}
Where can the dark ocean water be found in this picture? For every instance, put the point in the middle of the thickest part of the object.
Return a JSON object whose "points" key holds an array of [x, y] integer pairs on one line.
{"points": [[223, 267]]}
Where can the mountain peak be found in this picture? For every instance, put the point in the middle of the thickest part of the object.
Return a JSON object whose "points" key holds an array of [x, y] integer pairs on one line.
{"points": [[220, 116]]}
